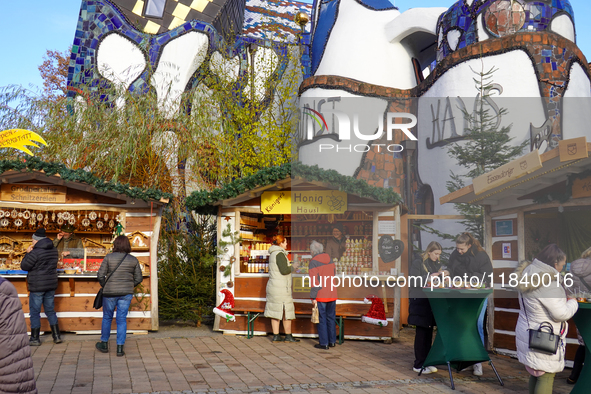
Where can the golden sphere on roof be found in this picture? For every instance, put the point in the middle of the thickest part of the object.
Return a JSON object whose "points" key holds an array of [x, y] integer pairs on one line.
{"points": [[302, 19]]}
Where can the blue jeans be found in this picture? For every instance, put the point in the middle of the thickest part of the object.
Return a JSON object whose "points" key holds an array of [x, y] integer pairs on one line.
{"points": [[327, 331], [109, 304], [37, 299], [481, 321]]}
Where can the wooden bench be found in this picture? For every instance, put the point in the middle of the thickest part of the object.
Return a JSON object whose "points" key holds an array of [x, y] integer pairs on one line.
{"points": [[253, 313]]}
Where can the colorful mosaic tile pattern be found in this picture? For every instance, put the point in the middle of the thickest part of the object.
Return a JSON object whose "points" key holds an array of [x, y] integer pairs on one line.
{"points": [[499, 17], [274, 19], [100, 18]]}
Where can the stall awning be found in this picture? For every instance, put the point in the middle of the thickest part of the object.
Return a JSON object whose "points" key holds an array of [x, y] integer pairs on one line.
{"points": [[245, 191], [15, 172], [526, 177]]}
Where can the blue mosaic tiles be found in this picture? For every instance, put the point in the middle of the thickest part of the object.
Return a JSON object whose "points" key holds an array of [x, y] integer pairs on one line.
{"points": [[99, 18], [499, 18]]}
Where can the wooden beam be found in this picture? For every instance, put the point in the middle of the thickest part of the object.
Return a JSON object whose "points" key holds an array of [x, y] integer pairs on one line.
{"points": [[520, 236], [428, 217], [457, 194], [154, 269]]}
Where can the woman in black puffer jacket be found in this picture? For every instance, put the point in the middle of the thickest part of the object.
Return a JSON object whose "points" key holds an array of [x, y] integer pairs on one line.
{"points": [[117, 291], [16, 365]]}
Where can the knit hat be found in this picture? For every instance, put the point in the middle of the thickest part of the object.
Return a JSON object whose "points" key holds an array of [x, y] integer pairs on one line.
{"points": [[39, 234]]}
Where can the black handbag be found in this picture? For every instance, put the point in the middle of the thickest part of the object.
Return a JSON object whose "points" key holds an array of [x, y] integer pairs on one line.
{"points": [[543, 339], [98, 300]]}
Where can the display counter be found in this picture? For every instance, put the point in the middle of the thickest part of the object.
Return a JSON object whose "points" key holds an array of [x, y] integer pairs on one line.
{"points": [[303, 211], [73, 303], [31, 199]]}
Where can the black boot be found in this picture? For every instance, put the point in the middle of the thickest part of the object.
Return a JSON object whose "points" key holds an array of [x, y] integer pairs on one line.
{"points": [[120, 352], [577, 365], [103, 347], [277, 338], [290, 338], [34, 340], [55, 333]]}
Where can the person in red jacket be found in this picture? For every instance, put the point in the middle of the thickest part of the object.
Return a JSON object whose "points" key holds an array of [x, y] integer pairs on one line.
{"points": [[323, 295]]}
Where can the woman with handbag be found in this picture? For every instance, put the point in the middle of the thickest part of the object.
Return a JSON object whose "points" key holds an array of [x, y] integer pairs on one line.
{"points": [[544, 307], [118, 275]]}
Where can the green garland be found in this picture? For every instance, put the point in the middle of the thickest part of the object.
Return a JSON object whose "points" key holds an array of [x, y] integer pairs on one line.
{"points": [[82, 176], [202, 201], [563, 196]]}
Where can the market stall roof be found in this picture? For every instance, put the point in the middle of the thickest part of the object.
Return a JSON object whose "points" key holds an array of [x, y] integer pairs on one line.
{"points": [[532, 177], [241, 191], [17, 171]]}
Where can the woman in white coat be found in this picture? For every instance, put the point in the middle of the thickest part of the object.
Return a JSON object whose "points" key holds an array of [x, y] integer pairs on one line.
{"points": [[543, 300]]}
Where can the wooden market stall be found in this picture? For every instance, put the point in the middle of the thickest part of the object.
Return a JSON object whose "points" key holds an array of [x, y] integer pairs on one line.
{"points": [[534, 200], [304, 208], [31, 199]]}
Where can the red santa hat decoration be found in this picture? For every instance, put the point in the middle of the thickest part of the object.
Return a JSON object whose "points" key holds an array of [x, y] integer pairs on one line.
{"points": [[224, 309], [376, 314]]}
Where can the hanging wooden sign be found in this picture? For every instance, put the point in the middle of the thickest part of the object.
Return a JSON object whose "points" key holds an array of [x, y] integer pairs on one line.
{"points": [[582, 187], [573, 149], [33, 193], [513, 170]]}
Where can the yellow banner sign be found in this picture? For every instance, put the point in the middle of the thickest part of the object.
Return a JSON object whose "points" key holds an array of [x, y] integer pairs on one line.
{"points": [[303, 202], [19, 139], [33, 193], [513, 170]]}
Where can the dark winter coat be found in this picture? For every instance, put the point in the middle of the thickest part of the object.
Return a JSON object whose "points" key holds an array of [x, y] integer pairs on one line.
{"points": [[336, 248], [124, 279], [16, 365], [472, 263], [419, 308], [72, 244], [41, 262], [321, 271]]}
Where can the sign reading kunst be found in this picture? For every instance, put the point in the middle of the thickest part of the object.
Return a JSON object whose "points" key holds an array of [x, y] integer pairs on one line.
{"points": [[513, 170], [303, 202], [33, 193]]}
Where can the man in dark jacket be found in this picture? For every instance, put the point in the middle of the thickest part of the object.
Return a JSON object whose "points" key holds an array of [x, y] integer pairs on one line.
{"points": [[41, 262], [16, 364], [68, 245]]}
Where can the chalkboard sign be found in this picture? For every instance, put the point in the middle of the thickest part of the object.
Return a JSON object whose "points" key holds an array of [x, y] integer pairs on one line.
{"points": [[389, 248]]}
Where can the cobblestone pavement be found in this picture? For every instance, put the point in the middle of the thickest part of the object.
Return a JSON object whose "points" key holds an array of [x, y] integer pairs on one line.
{"points": [[196, 360]]}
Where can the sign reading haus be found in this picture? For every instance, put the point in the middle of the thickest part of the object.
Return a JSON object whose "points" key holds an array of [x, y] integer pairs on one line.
{"points": [[33, 193]]}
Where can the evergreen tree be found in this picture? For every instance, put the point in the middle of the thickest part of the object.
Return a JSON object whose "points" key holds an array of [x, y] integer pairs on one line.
{"points": [[486, 147]]}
